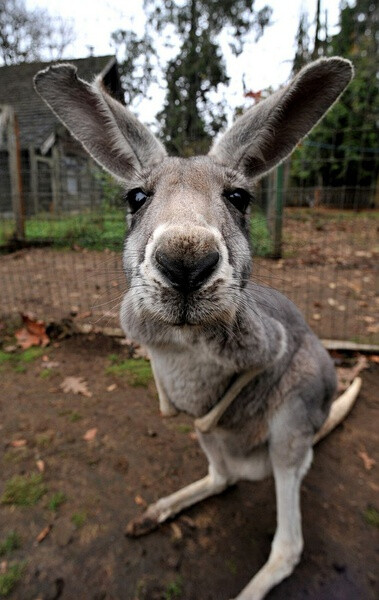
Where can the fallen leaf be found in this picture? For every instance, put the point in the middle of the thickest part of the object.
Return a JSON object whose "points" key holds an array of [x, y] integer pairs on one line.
{"points": [[141, 352], [84, 315], [177, 533], [32, 334], [40, 465], [112, 387], [368, 319], [347, 374], [50, 364], [18, 443], [140, 501], [42, 534], [90, 434], [10, 348], [367, 460], [374, 358], [76, 385]]}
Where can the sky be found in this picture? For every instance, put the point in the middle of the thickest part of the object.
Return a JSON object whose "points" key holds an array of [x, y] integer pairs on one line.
{"points": [[263, 64]]}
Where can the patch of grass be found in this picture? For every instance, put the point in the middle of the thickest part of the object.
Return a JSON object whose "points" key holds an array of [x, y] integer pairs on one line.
{"points": [[30, 354], [10, 578], [23, 490], [183, 428], [75, 416], [79, 518], [5, 357], [46, 373], [174, 589], [137, 370], [56, 501], [43, 440], [371, 516], [15, 455], [101, 230], [19, 360], [260, 236], [231, 565], [11, 542]]}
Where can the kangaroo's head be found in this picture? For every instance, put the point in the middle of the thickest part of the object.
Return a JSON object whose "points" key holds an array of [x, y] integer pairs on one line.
{"points": [[187, 254]]}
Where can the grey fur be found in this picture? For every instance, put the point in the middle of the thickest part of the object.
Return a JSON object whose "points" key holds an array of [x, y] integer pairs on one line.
{"points": [[201, 341], [268, 132], [108, 131]]}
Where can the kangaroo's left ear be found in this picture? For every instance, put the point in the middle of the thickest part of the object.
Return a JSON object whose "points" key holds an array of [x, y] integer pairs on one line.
{"points": [[269, 131], [111, 134]]}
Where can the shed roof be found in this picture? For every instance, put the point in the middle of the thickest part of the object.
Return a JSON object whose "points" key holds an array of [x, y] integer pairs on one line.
{"points": [[36, 121]]}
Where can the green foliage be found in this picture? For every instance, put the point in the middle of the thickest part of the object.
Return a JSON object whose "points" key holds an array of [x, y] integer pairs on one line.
{"points": [[111, 191], [189, 119], [137, 370], [10, 578], [5, 357], [343, 149], [46, 373], [23, 490], [174, 589], [11, 542], [371, 516], [79, 518], [30, 354], [231, 565], [88, 230], [184, 428], [75, 416], [260, 236], [56, 501], [19, 360]]}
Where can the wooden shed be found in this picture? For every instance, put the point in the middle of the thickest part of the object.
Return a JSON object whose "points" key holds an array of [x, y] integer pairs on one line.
{"points": [[56, 173]]}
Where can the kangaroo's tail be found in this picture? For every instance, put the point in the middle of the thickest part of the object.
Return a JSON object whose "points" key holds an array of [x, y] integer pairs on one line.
{"points": [[339, 409]]}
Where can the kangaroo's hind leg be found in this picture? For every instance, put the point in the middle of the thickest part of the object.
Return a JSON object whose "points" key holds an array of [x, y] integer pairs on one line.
{"points": [[291, 455]]}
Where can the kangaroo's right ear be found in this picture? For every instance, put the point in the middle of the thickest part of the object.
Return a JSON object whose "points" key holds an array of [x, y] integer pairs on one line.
{"points": [[111, 134]]}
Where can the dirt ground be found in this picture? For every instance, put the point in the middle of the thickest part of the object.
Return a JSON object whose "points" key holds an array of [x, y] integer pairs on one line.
{"points": [[132, 456]]}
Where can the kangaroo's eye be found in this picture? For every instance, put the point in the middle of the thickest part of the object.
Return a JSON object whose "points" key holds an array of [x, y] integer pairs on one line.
{"points": [[136, 199], [239, 198]]}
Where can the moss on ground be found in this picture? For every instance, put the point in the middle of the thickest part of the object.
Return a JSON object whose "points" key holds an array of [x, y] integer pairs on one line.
{"points": [[10, 578], [23, 490], [136, 370], [11, 542]]}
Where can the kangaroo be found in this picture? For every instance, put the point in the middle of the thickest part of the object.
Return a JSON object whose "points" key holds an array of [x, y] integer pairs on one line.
{"points": [[235, 355]]}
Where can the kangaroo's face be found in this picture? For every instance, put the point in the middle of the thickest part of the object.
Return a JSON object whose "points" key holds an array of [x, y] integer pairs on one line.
{"points": [[187, 254]]}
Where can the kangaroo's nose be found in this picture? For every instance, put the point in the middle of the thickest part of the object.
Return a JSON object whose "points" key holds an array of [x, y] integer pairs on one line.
{"points": [[184, 275]]}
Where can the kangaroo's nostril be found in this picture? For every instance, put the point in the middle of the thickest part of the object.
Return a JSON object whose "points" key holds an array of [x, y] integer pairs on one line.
{"points": [[204, 268], [187, 275]]}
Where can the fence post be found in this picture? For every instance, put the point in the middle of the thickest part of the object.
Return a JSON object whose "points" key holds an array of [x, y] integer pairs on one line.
{"points": [[275, 210], [13, 139], [33, 178]]}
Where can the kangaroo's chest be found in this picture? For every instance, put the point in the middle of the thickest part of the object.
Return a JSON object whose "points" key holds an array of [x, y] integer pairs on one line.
{"points": [[191, 380]]}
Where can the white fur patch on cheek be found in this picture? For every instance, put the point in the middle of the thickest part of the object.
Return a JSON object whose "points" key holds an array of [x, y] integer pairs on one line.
{"points": [[225, 271], [146, 269]]}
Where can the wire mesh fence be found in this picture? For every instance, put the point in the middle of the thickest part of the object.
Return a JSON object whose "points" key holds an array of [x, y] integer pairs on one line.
{"points": [[67, 262]]}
